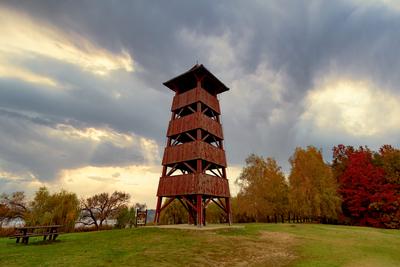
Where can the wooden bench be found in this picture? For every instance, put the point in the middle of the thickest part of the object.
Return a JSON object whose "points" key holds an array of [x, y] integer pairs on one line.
{"points": [[49, 232]]}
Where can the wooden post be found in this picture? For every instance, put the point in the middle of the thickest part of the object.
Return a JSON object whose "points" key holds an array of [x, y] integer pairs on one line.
{"points": [[228, 210], [199, 211], [157, 216]]}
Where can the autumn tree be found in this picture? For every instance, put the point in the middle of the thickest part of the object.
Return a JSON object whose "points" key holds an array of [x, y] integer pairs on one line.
{"points": [[263, 190], [4, 211], [388, 159], [312, 187], [214, 214], [368, 185], [14, 206], [60, 208], [238, 213], [175, 213], [98, 208]]}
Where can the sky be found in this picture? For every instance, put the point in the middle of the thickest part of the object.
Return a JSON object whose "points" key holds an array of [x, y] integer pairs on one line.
{"points": [[83, 108]]}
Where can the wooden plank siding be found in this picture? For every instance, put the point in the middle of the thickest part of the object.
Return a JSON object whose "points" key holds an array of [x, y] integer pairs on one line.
{"points": [[194, 95], [194, 150], [189, 184], [195, 121]]}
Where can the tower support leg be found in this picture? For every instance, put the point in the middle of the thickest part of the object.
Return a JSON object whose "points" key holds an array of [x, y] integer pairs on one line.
{"points": [[158, 210], [228, 210], [199, 208], [204, 215]]}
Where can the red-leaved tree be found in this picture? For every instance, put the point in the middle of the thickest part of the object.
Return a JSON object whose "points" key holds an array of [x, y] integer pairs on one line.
{"points": [[368, 198]]}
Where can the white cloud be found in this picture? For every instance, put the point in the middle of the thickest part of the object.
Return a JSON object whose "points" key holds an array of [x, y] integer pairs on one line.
{"points": [[44, 149], [350, 107], [96, 135], [233, 173], [216, 49], [23, 37], [390, 4], [11, 71], [140, 181]]}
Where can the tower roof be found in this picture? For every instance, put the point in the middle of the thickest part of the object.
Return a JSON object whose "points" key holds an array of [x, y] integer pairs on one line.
{"points": [[187, 81]]}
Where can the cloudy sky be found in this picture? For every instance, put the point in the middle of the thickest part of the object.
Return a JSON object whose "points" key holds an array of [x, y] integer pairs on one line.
{"points": [[82, 105]]}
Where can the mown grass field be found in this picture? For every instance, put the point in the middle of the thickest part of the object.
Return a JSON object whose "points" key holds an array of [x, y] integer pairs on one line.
{"points": [[253, 245]]}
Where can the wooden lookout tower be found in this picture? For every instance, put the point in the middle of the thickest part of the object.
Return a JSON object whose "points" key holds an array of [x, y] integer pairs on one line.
{"points": [[194, 162]]}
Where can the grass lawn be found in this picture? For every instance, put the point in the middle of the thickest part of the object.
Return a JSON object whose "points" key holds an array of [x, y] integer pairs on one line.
{"points": [[254, 245]]}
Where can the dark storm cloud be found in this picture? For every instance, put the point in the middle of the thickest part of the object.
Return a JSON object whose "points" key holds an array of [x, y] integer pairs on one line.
{"points": [[27, 148], [146, 28], [107, 154], [299, 37], [291, 43]]}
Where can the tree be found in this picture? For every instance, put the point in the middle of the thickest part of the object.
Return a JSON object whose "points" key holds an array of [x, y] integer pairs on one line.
{"points": [[389, 159], [388, 206], [4, 211], [60, 208], [214, 214], [368, 186], [15, 206], [175, 213], [127, 216], [340, 159], [263, 190], [313, 189], [98, 208]]}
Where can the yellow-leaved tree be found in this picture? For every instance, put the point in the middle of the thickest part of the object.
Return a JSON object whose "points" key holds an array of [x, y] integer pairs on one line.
{"points": [[263, 194], [313, 188]]}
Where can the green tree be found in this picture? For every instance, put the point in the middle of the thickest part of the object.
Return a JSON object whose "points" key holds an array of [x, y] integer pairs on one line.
{"points": [[60, 208], [125, 217]]}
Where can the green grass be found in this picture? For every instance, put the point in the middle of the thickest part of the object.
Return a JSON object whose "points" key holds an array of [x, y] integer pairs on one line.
{"points": [[254, 245]]}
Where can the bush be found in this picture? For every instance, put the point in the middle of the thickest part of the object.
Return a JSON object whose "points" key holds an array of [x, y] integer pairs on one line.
{"points": [[125, 217], [6, 231]]}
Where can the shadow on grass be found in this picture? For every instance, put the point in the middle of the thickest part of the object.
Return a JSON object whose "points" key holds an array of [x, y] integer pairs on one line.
{"points": [[35, 243]]}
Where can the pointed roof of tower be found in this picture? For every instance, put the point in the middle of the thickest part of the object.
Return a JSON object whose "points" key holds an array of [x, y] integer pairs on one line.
{"points": [[185, 81]]}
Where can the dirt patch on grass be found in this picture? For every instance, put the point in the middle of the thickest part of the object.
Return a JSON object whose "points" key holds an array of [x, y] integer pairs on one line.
{"points": [[195, 228], [268, 249]]}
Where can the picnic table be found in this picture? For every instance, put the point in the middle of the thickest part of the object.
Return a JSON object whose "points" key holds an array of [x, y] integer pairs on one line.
{"points": [[49, 232]]}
